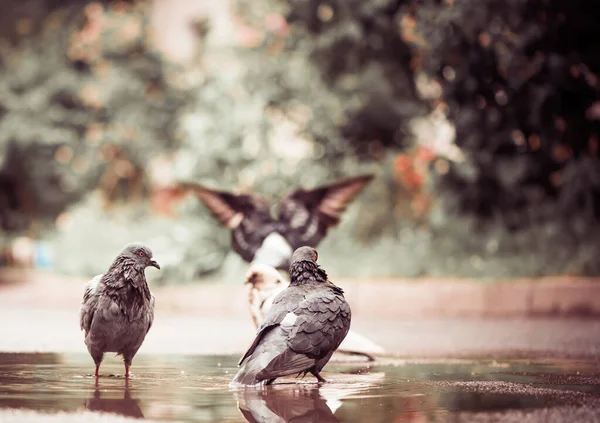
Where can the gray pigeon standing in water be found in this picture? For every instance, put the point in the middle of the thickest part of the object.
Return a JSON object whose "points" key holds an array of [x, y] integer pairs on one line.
{"points": [[305, 325], [266, 283], [118, 308]]}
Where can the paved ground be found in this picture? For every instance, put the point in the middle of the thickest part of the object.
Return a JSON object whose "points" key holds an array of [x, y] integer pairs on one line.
{"points": [[41, 314], [49, 330], [433, 320], [378, 299]]}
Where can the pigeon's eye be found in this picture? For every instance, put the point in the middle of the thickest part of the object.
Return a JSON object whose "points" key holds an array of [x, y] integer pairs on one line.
{"points": [[142, 254]]}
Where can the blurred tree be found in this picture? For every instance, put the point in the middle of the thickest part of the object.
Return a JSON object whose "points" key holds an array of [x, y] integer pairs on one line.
{"points": [[84, 101], [479, 118], [521, 84], [518, 81]]}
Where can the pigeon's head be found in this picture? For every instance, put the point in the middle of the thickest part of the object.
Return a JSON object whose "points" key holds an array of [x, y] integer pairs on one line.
{"points": [[140, 254], [305, 254], [262, 276]]}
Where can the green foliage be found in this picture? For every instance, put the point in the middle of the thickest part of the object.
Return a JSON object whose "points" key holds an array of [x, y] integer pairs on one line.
{"points": [[316, 91], [84, 101]]}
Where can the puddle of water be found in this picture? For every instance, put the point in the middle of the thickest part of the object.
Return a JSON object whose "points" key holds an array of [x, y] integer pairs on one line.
{"points": [[195, 389]]}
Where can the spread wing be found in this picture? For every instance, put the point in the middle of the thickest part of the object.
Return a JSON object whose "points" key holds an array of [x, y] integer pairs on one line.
{"points": [[308, 214], [88, 305], [247, 215], [228, 208]]}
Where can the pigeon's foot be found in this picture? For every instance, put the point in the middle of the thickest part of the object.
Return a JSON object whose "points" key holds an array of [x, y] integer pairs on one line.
{"points": [[96, 372], [318, 376], [127, 372]]}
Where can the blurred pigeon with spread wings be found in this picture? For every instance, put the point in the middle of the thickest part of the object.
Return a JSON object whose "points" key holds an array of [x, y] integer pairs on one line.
{"points": [[304, 217], [118, 308], [265, 283], [307, 322]]}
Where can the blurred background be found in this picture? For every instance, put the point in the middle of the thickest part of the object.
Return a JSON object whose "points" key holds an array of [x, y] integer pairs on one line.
{"points": [[478, 236], [480, 124]]}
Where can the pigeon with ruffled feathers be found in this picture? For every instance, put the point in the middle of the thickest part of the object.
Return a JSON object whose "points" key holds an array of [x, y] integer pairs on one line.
{"points": [[117, 310], [304, 218], [305, 325], [265, 283]]}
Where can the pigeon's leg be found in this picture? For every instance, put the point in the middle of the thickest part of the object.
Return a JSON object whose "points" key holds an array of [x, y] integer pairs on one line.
{"points": [[97, 360], [318, 376], [127, 361]]}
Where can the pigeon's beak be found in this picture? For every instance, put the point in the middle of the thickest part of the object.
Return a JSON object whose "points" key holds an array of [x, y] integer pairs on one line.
{"points": [[153, 263], [251, 278]]}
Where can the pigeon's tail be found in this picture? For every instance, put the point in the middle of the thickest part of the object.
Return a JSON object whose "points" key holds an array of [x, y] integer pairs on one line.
{"points": [[271, 346], [247, 375]]}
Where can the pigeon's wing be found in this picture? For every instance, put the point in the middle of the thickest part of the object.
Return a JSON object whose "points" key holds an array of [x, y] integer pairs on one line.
{"points": [[88, 305], [228, 208], [284, 302], [315, 328], [247, 215], [150, 312], [322, 324], [308, 214]]}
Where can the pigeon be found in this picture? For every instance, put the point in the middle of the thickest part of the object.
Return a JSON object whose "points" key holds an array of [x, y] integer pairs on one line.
{"points": [[304, 217], [306, 324], [265, 283], [126, 406], [118, 308]]}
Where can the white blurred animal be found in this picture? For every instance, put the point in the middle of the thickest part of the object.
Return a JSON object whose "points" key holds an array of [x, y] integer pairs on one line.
{"points": [[266, 282]]}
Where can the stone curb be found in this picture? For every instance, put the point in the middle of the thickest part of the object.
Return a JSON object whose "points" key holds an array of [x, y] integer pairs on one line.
{"points": [[559, 296]]}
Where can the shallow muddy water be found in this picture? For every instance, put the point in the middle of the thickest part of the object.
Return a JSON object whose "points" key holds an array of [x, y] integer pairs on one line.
{"points": [[195, 389]]}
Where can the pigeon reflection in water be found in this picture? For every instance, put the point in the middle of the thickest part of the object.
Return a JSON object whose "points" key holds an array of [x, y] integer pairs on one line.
{"points": [[303, 219], [126, 406], [293, 401], [284, 405]]}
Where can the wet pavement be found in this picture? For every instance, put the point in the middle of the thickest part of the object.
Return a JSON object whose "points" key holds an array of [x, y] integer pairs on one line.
{"points": [[195, 389], [507, 368]]}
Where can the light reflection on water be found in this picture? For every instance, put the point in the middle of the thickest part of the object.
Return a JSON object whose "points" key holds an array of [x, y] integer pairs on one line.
{"points": [[195, 389]]}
